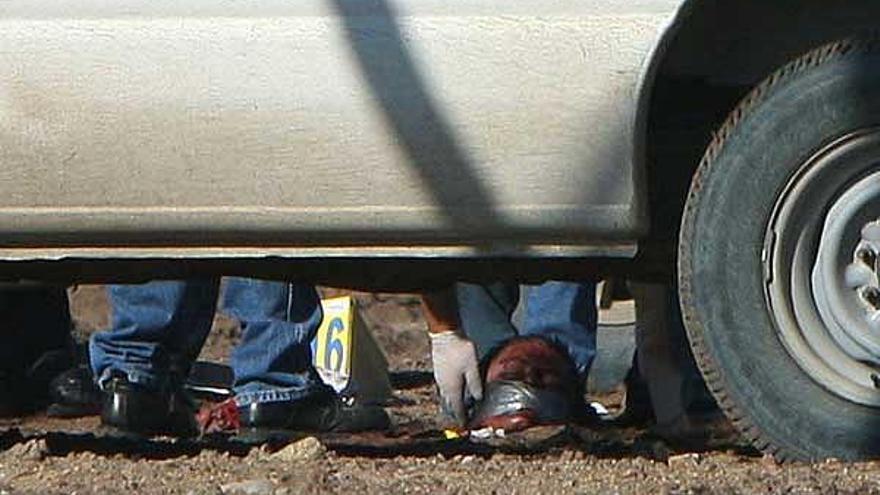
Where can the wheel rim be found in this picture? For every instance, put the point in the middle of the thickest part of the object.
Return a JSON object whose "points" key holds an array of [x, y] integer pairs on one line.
{"points": [[822, 267]]}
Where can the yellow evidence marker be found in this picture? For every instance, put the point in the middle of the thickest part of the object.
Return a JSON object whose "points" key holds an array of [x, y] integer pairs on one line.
{"points": [[347, 356]]}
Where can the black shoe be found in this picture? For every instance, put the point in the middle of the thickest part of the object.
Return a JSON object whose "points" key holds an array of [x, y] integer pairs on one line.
{"points": [[36, 345], [74, 394], [637, 407], [25, 391], [131, 409], [324, 412]]}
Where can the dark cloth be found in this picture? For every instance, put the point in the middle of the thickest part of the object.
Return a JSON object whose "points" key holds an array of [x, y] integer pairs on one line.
{"points": [[37, 345]]}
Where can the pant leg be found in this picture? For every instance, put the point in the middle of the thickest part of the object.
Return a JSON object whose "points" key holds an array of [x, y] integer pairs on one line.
{"points": [[273, 362], [35, 321], [37, 345], [154, 327], [485, 312], [659, 354], [565, 312]]}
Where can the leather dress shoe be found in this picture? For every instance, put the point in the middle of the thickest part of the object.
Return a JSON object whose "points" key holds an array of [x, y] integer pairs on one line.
{"points": [[74, 394], [25, 390], [324, 412], [132, 409]]}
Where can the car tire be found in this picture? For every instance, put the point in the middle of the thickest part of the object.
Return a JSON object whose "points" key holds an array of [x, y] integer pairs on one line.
{"points": [[778, 281]]}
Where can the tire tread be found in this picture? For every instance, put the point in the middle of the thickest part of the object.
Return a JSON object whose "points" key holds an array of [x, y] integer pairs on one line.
{"points": [[713, 375]]}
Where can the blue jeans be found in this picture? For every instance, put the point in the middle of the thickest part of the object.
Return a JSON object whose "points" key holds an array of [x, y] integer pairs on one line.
{"points": [[564, 312], [158, 328]]}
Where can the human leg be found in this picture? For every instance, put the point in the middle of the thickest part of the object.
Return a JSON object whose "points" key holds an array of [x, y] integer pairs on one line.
{"points": [[156, 330], [564, 312], [665, 362], [277, 388], [154, 326], [658, 357], [37, 345], [485, 312], [273, 362]]}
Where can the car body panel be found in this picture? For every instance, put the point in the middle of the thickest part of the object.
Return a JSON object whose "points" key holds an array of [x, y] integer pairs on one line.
{"points": [[177, 128]]}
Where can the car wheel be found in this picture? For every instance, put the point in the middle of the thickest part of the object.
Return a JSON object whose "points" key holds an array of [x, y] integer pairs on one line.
{"points": [[779, 258]]}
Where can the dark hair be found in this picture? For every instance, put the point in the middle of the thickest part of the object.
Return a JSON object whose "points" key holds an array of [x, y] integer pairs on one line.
{"points": [[576, 391]]}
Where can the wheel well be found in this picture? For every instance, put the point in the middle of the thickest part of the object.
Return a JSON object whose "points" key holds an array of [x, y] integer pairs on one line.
{"points": [[718, 50]]}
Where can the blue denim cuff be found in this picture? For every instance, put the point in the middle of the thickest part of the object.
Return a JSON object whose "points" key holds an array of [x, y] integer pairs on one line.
{"points": [[147, 380], [261, 393]]}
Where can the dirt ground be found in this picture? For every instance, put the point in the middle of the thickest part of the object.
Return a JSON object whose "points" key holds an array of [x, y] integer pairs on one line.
{"points": [[44, 455]]}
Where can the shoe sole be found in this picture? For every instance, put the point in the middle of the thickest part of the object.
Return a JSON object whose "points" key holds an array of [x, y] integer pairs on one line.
{"points": [[127, 434], [261, 436], [117, 433]]}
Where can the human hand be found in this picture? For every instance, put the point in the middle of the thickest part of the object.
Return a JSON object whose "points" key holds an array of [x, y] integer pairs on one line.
{"points": [[456, 372]]}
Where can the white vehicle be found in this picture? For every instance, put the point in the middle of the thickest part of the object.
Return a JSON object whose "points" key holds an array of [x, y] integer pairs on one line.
{"points": [[425, 140]]}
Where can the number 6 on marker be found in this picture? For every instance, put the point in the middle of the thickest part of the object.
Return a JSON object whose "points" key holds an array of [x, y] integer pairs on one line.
{"points": [[332, 345]]}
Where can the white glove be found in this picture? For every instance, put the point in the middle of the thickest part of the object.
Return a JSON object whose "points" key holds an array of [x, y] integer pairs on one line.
{"points": [[456, 371]]}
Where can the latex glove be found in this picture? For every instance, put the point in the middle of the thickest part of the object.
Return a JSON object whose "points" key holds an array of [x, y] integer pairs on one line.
{"points": [[456, 372]]}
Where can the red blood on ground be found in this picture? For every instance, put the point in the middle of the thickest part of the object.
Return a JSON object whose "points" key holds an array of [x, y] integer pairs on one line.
{"points": [[218, 417]]}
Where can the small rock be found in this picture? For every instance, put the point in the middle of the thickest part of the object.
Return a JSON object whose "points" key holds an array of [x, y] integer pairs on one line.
{"points": [[87, 456], [249, 487], [769, 461], [683, 460], [32, 450], [307, 449]]}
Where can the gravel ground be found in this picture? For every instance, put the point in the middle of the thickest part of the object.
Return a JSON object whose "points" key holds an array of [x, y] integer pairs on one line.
{"points": [[42, 455], [308, 466]]}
